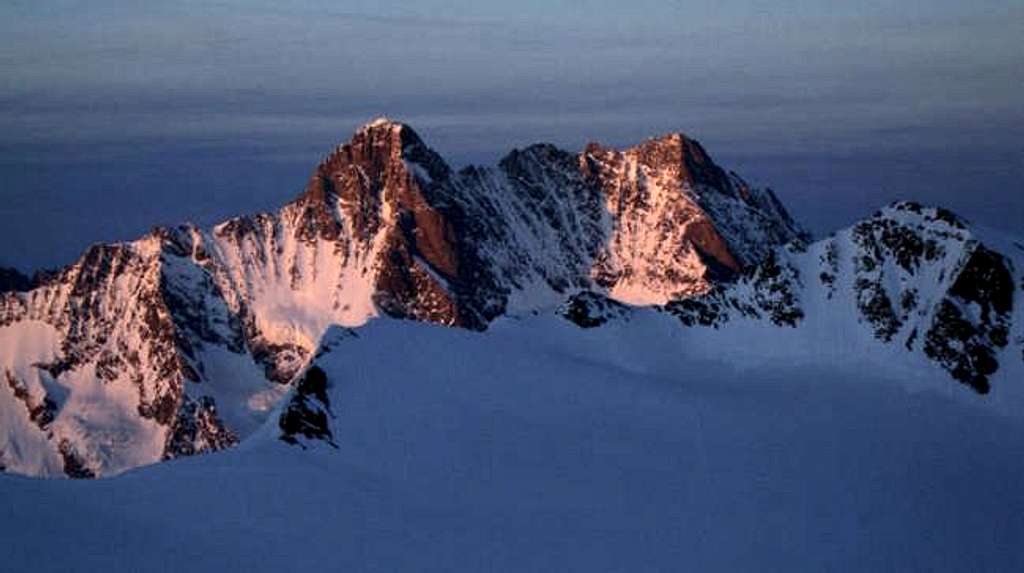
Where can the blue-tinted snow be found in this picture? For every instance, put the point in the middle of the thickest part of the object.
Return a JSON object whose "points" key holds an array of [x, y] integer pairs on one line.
{"points": [[537, 446]]}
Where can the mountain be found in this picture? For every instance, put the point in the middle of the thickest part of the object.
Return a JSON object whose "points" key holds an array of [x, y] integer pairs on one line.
{"points": [[189, 340], [912, 276]]}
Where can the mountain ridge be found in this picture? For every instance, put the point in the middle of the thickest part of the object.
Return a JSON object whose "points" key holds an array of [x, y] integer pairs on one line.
{"points": [[191, 337]]}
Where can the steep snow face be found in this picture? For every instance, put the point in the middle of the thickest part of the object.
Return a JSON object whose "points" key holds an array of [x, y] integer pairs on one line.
{"points": [[31, 412]]}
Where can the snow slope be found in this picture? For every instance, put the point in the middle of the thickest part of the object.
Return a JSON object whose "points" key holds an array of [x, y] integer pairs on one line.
{"points": [[537, 445]]}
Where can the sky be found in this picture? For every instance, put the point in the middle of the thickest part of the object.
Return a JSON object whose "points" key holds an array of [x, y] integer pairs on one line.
{"points": [[119, 115]]}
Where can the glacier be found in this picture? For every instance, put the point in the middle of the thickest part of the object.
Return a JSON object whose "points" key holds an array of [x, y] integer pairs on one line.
{"points": [[538, 446]]}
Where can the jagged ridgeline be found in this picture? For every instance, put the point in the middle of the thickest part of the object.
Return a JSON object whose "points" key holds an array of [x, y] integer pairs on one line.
{"points": [[188, 339]]}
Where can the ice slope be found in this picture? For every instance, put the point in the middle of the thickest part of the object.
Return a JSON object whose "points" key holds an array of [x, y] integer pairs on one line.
{"points": [[540, 446]]}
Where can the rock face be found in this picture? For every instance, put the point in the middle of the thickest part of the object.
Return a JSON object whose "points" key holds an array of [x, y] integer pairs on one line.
{"points": [[665, 246], [589, 309], [306, 414], [181, 342], [197, 429], [646, 225], [972, 323], [769, 291]]}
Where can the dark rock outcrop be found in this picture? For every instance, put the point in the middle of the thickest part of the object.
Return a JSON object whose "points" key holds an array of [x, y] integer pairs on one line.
{"points": [[308, 412], [973, 322], [41, 411], [589, 309], [74, 466], [197, 429]]}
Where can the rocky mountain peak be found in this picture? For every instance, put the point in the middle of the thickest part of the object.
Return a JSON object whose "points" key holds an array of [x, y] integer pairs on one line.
{"points": [[383, 170], [923, 214], [383, 141], [674, 155], [379, 153]]}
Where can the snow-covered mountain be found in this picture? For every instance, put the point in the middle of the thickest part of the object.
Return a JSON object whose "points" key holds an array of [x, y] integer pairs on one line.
{"points": [[911, 276], [189, 339]]}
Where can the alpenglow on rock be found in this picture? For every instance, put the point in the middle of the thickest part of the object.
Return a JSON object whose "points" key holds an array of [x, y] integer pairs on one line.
{"points": [[186, 340]]}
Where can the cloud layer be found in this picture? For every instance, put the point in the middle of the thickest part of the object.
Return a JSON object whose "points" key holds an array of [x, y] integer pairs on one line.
{"points": [[210, 108]]}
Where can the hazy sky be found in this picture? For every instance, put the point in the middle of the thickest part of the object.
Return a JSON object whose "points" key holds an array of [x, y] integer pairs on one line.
{"points": [[116, 115]]}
